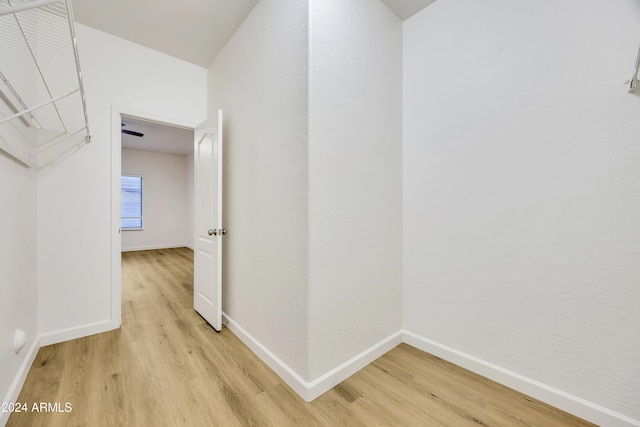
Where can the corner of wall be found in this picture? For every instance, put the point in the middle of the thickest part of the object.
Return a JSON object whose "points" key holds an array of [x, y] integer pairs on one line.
{"points": [[310, 390]]}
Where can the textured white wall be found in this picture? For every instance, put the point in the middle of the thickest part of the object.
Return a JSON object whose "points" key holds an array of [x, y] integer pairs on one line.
{"points": [[355, 172], [74, 186], [18, 286], [260, 81], [166, 214], [521, 194], [18, 280]]}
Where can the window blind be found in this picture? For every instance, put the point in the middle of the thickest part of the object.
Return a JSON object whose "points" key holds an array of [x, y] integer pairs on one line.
{"points": [[131, 202]]}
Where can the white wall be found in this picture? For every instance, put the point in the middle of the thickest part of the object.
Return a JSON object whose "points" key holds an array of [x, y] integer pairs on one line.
{"points": [[18, 301], [74, 183], [521, 195], [355, 172], [18, 280], [165, 200], [260, 81]]}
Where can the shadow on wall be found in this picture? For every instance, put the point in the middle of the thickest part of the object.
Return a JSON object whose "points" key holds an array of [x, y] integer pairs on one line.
{"points": [[54, 157]]}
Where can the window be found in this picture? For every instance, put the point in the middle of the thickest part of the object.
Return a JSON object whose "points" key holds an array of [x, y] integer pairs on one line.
{"points": [[131, 203]]}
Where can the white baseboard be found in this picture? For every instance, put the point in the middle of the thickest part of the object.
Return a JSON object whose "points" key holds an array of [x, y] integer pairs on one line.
{"points": [[310, 390], [18, 382], [55, 337], [288, 375], [351, 366], [154, 247], [569, 403]]}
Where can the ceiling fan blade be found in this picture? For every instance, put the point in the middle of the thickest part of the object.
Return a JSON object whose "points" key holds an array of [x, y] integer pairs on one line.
{"points": [[131, 132]]}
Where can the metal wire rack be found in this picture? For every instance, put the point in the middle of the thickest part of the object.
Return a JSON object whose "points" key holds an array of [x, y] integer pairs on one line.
{"points": [[40, 76]]}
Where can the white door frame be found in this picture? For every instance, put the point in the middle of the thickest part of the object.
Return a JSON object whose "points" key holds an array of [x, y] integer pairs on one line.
{"points": [[116, 172]]}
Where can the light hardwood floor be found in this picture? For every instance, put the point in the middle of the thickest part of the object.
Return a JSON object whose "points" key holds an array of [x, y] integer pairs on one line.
{"points": [[166, 367]]}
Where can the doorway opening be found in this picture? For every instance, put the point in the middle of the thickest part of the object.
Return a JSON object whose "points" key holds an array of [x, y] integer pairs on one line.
{"points": [[157, 192], [159, 210]]}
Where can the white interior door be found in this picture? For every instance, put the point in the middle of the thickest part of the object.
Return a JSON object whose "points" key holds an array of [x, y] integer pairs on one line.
{"points": [[207, 286]]}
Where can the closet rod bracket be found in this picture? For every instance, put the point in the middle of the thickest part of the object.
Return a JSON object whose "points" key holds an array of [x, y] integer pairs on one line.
{"points": [[633, 82]]}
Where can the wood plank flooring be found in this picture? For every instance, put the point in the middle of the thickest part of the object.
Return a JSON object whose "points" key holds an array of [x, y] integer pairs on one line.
{"points": [[167, 367]]}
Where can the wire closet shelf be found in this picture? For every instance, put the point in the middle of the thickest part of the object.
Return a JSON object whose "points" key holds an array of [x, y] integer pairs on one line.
{"points": [[41, 81]]}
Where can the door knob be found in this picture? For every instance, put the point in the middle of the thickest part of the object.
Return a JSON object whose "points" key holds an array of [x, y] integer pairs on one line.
{"points": [[223, 231], [213, 232]]}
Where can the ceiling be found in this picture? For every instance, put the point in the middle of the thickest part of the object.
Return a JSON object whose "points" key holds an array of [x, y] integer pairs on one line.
{"points": [[191, 30], [405, 9], [157, 137]]}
